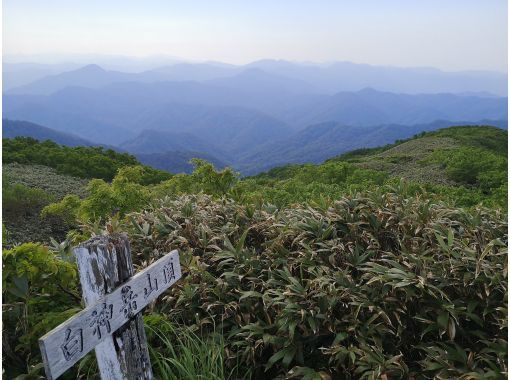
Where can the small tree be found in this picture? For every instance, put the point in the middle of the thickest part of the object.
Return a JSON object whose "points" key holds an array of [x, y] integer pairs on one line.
{"points": [[211, 181]]}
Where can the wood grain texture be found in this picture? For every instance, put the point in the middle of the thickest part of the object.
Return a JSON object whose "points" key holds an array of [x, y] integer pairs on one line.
{"points": [[111, 322]]}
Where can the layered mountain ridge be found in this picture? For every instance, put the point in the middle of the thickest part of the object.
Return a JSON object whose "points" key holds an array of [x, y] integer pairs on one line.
{"points": [[256, 116]]}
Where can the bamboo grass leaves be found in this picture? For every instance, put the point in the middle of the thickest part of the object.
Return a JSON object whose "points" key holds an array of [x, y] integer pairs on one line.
{"points": [[368, 286]]}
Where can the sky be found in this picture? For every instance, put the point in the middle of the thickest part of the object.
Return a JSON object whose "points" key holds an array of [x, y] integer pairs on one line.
{"points": [[446, 34]]}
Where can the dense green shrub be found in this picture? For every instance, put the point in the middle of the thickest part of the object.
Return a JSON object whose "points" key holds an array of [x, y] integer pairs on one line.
{"points": [[205, 178], [485, 137], [473, 166], [38, 293], [124, 194], [19, 200], [369, 285], [22, 205], [65, 211], [304, 183], [482, 171]]}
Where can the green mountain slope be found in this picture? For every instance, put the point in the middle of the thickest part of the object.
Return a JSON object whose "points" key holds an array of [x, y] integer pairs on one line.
{"points": [[320, 142], [467, 164], [45, 178], [428, 157]]}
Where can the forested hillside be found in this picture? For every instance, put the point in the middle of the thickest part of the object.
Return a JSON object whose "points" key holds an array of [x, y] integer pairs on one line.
{"points": [[36, 174], [83, 162], [385, 262]]}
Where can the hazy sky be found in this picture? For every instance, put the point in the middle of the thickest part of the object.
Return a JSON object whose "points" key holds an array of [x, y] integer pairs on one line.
{"points": [[448, 34]]}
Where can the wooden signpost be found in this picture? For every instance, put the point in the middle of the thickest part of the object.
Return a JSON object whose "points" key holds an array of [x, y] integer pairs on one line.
{"points": [[111, 323]]}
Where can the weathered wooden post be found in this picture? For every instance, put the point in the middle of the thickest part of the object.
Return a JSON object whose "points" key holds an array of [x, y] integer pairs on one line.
{"points": [[111, 322]]}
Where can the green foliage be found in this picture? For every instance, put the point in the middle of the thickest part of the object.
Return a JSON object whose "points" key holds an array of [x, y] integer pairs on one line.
{"points": [[375, 284], [45, 178], [211, 181], [39, 292], [19, 200], [127, 192], [485, 137], [152, 176], [466, 164], [27, 189], [83, 162], [205, 178], [66, 211], [21, 208], [124, 194], [179, 353], [299, 184], [354, 155], [473, 166], [35, 263], [481, 170], [5, 234]]}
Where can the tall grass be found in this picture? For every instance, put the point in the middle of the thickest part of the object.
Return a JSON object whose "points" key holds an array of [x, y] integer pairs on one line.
{"points": [[177, 352]]}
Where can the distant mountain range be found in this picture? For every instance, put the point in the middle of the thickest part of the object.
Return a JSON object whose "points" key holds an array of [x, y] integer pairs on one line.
{"points": [[15, 128], [370, 107], [20, 74], [252, 117], [314, 144], [151, 141], [119, 112], [321, 78]]}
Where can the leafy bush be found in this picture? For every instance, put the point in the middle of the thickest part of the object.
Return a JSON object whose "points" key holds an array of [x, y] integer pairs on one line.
{"points": [[22, 206], [65, 211], [299, 184], [204, 178], [472, 166], [479, 169], [19, 200], [486, 137], [126, 193], [371, 285], [38, 293]]}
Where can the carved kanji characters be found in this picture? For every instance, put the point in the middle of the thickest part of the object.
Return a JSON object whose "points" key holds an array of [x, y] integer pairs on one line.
{"points": [[73, 343], [153, 285], [101, 318], [168, 272], [128, 301]]}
